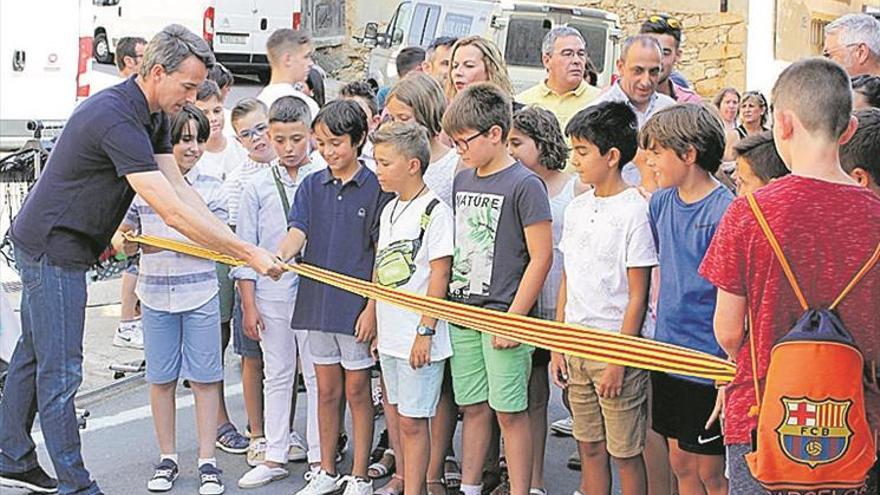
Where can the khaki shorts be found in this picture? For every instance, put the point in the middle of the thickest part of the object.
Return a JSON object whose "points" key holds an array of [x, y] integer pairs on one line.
{"points": [[621, 422]]}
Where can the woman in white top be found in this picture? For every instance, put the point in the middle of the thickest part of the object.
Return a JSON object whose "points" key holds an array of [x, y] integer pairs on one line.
{"points": [[418, 97]]}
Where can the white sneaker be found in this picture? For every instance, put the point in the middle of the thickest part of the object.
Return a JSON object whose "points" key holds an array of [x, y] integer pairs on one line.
{"points": [[256, 453], [129, 334], [319, 483], [261, 475], [356, 486], [298, 451], [562, 427]]}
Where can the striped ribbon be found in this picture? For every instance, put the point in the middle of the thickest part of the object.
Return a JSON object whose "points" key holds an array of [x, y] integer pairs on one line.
{"points": [[566, 338]]}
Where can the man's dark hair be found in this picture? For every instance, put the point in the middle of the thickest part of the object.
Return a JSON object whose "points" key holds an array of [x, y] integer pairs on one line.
{"points": [[869, 87], [662, 24], [315, 82], [479, 107], [171, 46], [189, 113], [290, 109], [362, 90], [344, 118], [441, 41], [863, 150], [611, 124], [760, 151], [125, 47], [208, 89], [685, 126], [221, 75], [408, 59]]}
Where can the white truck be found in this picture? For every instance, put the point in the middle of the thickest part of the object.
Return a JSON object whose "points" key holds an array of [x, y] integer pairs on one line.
{"points": [[237, 30], [516, 26], [45, 63]]}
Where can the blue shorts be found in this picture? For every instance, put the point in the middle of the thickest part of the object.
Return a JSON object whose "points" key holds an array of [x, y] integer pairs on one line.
{"points": [[183, 345], [415, 392], [243, 345]]}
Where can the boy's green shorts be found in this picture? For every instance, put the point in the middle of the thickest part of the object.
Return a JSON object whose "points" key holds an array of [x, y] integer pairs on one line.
{"points": [[483, 373]]}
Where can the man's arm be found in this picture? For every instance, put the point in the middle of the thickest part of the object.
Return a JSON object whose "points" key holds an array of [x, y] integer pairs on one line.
{"points": [[183, 210], [730, 321]]}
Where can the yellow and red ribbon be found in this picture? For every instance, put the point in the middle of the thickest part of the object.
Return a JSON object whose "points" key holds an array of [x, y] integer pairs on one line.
{"points": [[566, 338]]}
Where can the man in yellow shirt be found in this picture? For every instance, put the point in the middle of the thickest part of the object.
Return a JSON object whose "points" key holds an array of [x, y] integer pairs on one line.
{"points": [[564, 92]]}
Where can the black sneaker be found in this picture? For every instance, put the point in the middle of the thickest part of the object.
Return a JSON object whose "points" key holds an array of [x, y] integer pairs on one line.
{"points": [[163, 477], [36, 481], [209, 480]]}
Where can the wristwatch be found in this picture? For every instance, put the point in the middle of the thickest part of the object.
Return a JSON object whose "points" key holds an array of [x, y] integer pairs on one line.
{"points": [[425, 331]]}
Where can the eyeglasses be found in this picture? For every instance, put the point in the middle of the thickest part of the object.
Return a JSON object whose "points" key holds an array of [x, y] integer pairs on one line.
{"points": [[827, 53], [672, 22], [253, 132], [465, 144]]}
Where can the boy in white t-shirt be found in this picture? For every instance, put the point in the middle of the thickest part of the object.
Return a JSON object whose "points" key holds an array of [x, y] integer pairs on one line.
{"points": [[608, 252], [223, 154], [290, 57], [414, 254]]}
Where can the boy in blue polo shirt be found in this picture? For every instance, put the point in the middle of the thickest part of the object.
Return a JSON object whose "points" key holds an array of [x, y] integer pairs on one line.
{"points": [[337, 211]]}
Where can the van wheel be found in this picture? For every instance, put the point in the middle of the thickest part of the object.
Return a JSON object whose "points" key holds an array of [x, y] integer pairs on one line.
{"points": [[102, 49]]}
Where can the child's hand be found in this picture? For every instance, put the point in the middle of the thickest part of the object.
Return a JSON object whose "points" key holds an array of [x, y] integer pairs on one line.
{"points": [[374, 349], [502, 343], [718, 411], [420, 355], [610, 383], [252, 324], [365, 326], [559, 369]]}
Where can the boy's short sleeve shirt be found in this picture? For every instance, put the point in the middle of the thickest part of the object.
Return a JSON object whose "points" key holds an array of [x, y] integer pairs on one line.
{"points": [[682, 233], [110, 135], [826, 243], [407, 262], [491, 214], [341, 223], [601, 238]]}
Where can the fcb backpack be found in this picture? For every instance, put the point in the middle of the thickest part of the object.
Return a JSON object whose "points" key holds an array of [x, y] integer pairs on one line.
{"points": [[813, 434]]}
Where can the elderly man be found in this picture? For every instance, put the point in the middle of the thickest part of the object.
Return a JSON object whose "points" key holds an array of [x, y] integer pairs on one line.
{"points": [[639, 67], [564, 92], [853, 41], [667, 31], [115, 143]]}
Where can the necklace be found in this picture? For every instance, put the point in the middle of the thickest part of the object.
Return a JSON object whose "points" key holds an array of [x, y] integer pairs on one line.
{"points": [[397, 201]]}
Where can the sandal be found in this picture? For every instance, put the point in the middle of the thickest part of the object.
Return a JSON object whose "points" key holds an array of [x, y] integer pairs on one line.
{"points": [[441, 491], [384, 467], [452, 474], [388, 489]]}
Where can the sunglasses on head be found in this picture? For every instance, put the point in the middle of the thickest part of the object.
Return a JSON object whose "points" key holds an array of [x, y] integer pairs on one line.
{"points": [[663, 20]]}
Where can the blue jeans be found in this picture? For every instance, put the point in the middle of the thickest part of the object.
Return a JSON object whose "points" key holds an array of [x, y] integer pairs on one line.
{"points": [[44, 374]]}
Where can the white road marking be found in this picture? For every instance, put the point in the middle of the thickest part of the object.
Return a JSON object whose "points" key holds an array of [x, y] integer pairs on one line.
{"points": [[138, 413]]}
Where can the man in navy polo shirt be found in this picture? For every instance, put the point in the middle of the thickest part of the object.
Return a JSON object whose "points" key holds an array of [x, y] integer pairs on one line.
{"points": [[115, 143]]}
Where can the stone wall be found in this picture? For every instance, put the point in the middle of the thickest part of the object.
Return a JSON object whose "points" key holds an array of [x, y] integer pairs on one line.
{"points": [[714, 45]]}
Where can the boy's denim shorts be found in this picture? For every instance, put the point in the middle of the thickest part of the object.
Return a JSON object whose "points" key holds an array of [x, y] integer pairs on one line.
{"points": [[415, 392], [243, 345], [183, 345]]}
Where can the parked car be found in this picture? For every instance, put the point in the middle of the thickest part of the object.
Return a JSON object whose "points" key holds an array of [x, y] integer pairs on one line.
{"points": [[517, 27]]}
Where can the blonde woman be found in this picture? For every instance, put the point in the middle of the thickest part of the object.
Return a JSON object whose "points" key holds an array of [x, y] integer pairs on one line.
{"points": [[476, 59]]}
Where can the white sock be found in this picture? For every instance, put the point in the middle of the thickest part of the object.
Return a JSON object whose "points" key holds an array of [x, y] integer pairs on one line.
{"points": [[211, 460], [172, 457], [471, 489]]}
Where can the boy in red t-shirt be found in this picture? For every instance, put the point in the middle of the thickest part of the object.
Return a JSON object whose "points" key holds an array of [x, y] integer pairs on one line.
{"points": [[827, 226]]}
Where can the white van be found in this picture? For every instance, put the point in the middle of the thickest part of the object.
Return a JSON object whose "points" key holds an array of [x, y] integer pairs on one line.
{"points": [[237, 30], [45, 63], [517, 27]]}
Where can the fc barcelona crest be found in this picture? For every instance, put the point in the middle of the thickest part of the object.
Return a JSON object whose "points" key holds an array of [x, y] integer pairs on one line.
{"points": [[814, 433]]}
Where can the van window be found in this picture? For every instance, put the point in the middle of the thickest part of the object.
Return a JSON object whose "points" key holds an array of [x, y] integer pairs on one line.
{"points": [[457, 25], [398, 22], [596, 37], [524, 37], [424, 24]]}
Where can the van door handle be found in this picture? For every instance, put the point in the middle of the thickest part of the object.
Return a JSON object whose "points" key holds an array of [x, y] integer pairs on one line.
{"points": [[18, 59]]}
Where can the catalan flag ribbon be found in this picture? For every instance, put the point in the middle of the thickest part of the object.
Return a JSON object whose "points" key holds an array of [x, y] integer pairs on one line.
{"points": [[574, 340]]}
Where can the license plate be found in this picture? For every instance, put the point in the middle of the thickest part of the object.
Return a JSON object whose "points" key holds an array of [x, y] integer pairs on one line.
{"points": [[233, 39]]}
